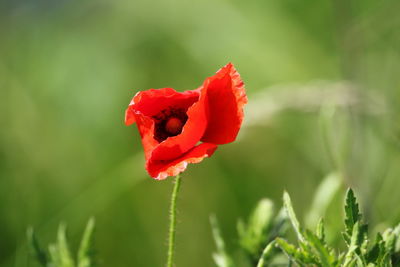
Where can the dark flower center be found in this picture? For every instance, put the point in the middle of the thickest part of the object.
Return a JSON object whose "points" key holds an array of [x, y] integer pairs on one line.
{"points": [[174, 125], [169, 122]]}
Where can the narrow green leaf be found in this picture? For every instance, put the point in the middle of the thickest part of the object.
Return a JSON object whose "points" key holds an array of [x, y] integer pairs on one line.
{"points": [[266, 255], [325, 194], [396, 252], [360, 261], [297, 255], [290, 250], [320, 231], [352, 263], [62, 246], [292, 216], [341, 258], [35, 248], [54, 256], [326, 259], [261, 217], [373, 254], [221, 257], [241, 229], [280, 225], [390, 240], [363, 240], [85, 251], [386, 261], [219, 241], [353, 246], [396, 232], [255, 235], [382, 254]]}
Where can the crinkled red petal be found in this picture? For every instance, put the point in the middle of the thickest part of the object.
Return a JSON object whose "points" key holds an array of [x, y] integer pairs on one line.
{"points": [[145, 126], [191, 134], [152, 101], [148, 103], [215, 114], [162, 169], [226, 98]]}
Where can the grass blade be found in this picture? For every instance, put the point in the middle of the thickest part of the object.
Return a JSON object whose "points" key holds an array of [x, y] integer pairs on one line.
{"points": [[292, 216], [85, 251]]}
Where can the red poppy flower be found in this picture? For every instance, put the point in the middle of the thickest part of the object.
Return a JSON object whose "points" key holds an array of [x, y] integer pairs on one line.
{"points": [[181, 128]]}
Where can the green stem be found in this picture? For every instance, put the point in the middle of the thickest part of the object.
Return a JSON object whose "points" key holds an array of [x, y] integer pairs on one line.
{"points": [[172, 222], [266, 254]]}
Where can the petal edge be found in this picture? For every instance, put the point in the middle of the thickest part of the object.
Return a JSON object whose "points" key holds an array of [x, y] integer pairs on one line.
{"points": [[160, 170], [226, 99]]}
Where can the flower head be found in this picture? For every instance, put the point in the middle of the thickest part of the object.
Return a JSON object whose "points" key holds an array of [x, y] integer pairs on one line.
{"points": [[180, 128]]}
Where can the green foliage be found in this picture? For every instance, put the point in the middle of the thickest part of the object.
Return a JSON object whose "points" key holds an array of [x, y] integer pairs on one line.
{"points": [[323, 197], [353, 216], [252, 235], [266, 255], [287, 203], [221, 257], [85, 252], [256, 237], [59, 253], [36, 250], [264, 232], [313, 250]]}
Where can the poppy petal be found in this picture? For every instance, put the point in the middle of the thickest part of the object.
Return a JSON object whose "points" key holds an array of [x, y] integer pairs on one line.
{"points": [[172, 124], [191, 134], [129, 116], [162, 169], [145, 126], [148, 103], [152, 101], [226, 98]]}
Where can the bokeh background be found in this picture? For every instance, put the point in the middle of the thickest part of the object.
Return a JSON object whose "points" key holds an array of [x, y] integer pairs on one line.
{"points": [[323, 80]]}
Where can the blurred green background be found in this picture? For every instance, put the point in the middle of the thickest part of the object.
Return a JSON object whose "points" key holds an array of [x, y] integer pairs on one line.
{"points": [[323, 80]]}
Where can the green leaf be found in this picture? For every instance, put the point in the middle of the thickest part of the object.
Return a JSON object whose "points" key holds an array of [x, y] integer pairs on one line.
{"points": [[254, 236], [323, 197], [292, 216], [396, 252], [54, 256], [382, 254], [352, 263], [266, 255], [396, 232], [297, 255], [280, 225], [85, 252], [323, 252], [353, 246], [363, 238], [62, 247], [59, 253], [373, 254], [241, 229], [320, 231], [261, 217], [352, 215], [36, 250], [221, 257], [385, 261], [290, 250]]}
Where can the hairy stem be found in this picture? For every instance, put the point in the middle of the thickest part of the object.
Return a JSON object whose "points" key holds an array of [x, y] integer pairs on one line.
{"points": [[172, 222]]}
